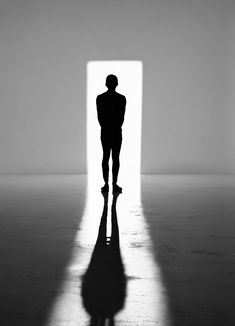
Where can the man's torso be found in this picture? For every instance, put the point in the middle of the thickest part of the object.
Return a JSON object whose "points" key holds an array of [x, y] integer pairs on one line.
{"points": [[111, 108]]}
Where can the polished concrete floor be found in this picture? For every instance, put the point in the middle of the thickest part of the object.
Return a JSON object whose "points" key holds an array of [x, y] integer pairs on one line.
{"points": [[162, 253]]}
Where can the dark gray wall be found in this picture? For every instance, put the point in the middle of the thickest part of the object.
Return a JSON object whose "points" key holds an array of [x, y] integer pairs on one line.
{"points": [[187, 101]]}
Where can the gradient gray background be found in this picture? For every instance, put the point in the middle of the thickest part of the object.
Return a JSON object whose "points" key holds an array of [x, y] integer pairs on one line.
{"points": [[187, 49]]}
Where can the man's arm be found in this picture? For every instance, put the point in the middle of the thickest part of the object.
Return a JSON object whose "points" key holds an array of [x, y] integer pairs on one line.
{"points": [[99, 115], [123, 110]]}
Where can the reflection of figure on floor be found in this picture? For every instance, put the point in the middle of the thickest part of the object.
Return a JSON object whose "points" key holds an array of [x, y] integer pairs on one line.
{"points": [[104, 283], [111, 110]]}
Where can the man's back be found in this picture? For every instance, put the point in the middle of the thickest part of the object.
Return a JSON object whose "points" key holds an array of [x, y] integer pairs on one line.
{"points": [[111, 110]]}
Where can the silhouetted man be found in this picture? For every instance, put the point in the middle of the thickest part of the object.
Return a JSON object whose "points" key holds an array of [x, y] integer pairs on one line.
{"points": [[111, 110]]}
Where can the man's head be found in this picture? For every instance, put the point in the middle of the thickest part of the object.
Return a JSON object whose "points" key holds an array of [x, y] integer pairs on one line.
{"points": [[111, 82]]}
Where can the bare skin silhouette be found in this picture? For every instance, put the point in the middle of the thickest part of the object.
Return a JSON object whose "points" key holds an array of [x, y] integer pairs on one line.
{"points": [[111, 110], [104, 283]]}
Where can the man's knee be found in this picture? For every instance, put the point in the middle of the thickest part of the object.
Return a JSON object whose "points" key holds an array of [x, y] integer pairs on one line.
{"points": [[115, 159], [105, 159]]}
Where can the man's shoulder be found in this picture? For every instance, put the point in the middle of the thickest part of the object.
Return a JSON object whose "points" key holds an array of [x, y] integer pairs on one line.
{"points": [[106, 97], [121, 96], [100, 96]]}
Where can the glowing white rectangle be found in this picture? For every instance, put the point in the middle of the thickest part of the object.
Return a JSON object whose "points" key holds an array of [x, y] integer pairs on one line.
{"points": [[129, 75]]}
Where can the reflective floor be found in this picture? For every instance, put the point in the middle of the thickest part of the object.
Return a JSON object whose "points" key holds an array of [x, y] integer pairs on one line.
{"points": [[162, 253]]}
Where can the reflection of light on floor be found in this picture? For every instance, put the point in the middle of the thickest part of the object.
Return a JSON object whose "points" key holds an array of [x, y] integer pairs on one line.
{"points": [[145, 301]]}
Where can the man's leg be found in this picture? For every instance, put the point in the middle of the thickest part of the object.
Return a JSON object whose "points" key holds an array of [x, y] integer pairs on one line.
{"points": [[105, 161], [116, 147]]}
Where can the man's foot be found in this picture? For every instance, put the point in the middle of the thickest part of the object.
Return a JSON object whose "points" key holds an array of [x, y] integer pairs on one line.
{"points": [[116, 188], [105, 188]]}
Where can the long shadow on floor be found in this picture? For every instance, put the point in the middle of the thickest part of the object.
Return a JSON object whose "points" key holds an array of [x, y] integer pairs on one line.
{"points": [[192, 228], [104, 282], [39, 220]]}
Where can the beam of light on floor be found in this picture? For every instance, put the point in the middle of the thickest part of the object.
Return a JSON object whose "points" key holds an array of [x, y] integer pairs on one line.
{"points": [[145, 302]]}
